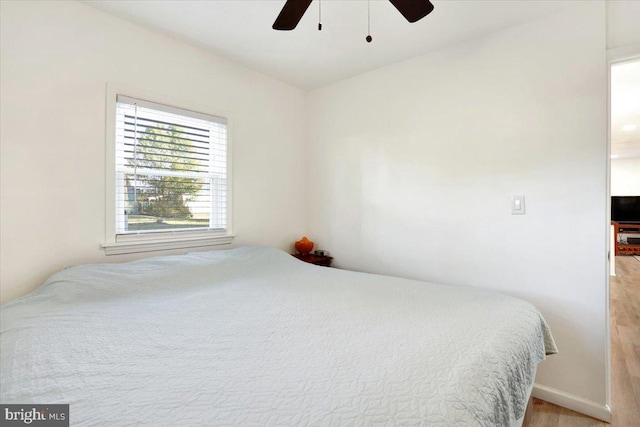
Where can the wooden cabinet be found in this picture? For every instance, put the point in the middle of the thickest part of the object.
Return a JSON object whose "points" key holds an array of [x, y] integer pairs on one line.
{"points": [[626, 228], [324, 261]]}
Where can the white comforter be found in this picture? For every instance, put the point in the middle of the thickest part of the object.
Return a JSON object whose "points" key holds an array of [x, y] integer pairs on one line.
{"points": [[253, 337]]}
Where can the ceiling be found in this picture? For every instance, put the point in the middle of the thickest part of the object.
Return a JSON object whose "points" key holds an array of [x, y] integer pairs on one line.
{"points": [[241, 31], [625, 110]]}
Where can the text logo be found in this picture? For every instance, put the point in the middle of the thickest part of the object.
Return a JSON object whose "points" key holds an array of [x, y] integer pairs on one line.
{"points": [[35, 415]]}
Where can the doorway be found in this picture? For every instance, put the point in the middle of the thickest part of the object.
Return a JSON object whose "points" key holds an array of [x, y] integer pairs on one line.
{"points": [[624, 253]]}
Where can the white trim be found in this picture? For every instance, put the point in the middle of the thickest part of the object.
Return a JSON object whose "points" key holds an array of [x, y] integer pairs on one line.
{"points": [[114, 246], [229, 174], [570, 401], [130, 247], [138, 93], [110, 156], [609, 257]]}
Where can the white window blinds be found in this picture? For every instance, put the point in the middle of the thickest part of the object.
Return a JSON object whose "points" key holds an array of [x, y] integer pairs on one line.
{"points": [[171, 169]]}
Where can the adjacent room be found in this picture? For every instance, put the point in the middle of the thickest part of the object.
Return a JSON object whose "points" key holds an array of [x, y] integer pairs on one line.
{"points": [[458, 182]]}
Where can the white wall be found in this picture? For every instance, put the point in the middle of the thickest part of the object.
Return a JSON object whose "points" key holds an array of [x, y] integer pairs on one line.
{"points": [[414, 164], [622, 23], [625, 177], [56, 59]]}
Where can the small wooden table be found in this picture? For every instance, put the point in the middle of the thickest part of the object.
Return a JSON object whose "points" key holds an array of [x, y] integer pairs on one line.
{"points": [[324, 261]]}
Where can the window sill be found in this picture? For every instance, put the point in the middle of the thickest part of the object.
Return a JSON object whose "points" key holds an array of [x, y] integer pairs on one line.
{"points": [[146, 245]]}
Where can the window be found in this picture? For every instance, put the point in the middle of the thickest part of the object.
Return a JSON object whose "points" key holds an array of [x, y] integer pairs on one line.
{"points": [[170, 177]]}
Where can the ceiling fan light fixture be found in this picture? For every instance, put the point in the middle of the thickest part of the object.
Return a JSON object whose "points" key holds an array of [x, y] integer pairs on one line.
{"points": [[293, 10], [291, 14], [369, 38], [413, 10]]}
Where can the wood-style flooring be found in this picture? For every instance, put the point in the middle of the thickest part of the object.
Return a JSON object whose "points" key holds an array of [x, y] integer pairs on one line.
{"points": [[625, 358]]}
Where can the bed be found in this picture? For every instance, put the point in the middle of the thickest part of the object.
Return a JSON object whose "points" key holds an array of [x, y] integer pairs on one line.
{"points": [[254, 337]]}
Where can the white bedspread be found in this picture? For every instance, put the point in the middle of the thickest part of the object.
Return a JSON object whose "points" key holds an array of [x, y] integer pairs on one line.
{"points": [[252, 337]]}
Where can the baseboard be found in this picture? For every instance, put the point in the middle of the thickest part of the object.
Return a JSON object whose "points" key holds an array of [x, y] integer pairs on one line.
{"points": [[570, 401]]}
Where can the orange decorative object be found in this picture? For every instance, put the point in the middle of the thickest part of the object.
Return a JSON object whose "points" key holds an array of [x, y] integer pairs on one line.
{"points": [[304, 246]]}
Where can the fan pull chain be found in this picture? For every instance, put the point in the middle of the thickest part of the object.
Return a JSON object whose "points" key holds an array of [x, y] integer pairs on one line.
{"points": [[319, 15], [369, 38]]}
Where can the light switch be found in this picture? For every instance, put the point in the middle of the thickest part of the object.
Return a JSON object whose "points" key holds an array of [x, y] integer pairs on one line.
{"points": [[517, 205]]}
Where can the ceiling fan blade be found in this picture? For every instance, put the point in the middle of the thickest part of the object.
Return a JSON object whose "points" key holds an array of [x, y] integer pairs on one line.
{"points": [[291, 14], [413, 10]]}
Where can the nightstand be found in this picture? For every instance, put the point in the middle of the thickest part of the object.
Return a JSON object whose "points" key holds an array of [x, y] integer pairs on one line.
{"points": [[324, 261]]}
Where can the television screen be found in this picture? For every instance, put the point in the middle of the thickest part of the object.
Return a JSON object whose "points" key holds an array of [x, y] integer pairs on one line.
{"points": [[625, 209]]}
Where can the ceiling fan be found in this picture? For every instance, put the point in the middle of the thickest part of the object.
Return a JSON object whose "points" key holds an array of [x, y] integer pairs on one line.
{"points": [[293, 10]]}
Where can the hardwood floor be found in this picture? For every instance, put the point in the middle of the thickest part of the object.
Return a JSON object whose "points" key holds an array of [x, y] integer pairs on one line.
{"points": [[625, 358]]}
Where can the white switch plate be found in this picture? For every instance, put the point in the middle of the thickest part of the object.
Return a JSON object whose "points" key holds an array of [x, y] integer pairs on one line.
{"points": [[517, 205]]}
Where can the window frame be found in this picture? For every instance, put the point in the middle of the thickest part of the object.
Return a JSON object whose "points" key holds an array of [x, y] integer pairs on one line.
{"points": [[116, 244]]}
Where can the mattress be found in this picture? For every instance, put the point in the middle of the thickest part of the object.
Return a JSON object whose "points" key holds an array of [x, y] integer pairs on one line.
{"points": [[254, 337]]}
